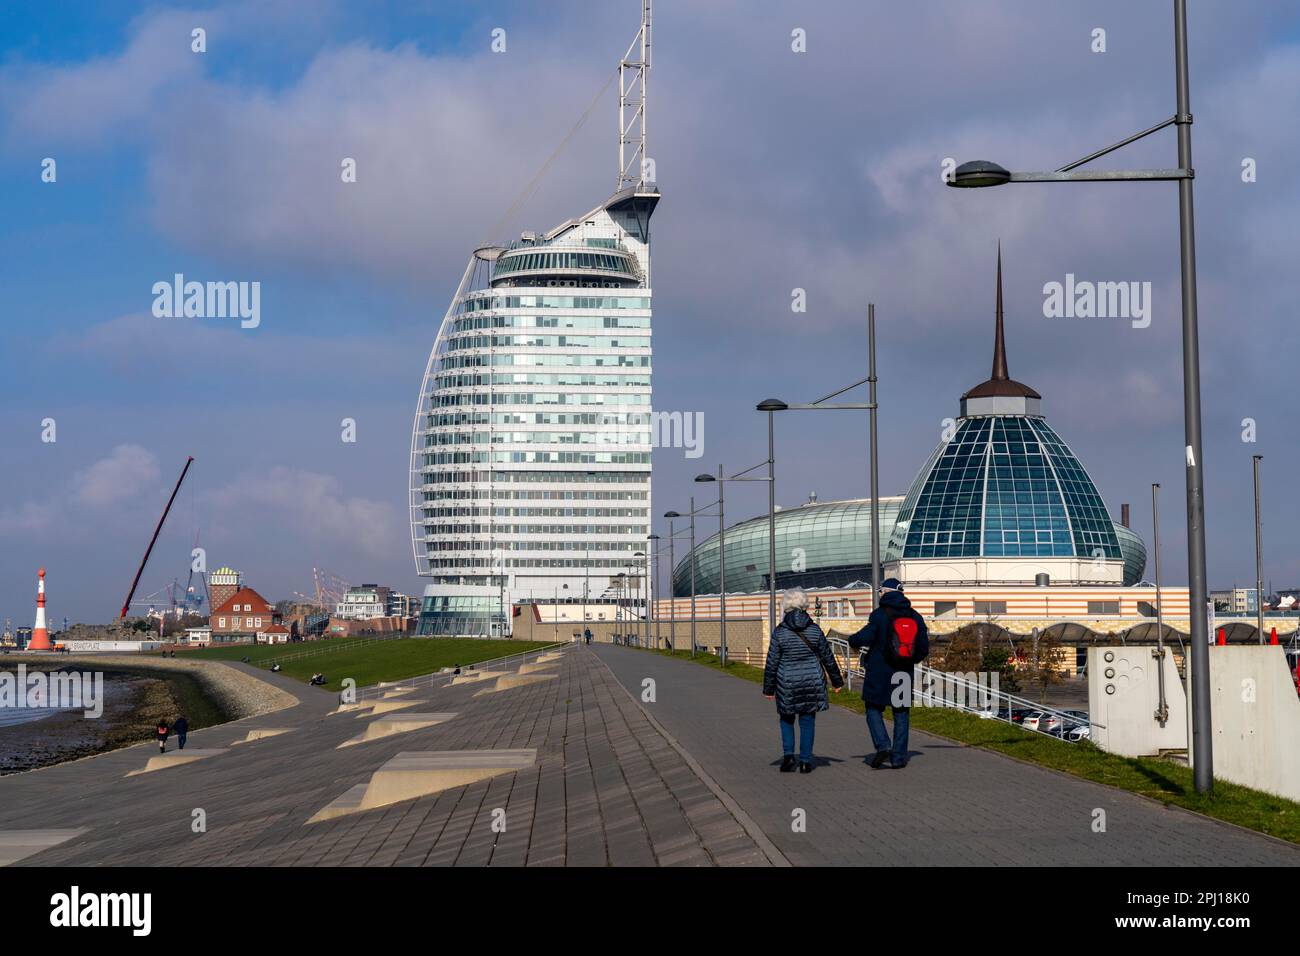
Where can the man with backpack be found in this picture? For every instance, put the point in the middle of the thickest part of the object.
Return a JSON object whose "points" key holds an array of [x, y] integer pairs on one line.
{"points": [[894, 640]]}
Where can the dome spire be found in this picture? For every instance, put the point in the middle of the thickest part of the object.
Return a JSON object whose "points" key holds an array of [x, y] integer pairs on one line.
{"points": [[1000, 384], [1000, 373]]}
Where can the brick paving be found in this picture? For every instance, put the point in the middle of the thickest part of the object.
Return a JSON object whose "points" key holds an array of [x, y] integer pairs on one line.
{"points": [[953, 805], [607, 789]]}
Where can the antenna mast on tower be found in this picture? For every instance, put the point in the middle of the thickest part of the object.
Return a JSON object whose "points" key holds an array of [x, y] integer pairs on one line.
{"points": [[631, 105]]}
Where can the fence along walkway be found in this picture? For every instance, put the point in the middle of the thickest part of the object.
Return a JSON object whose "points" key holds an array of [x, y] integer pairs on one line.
{"points": [[966, 692]]}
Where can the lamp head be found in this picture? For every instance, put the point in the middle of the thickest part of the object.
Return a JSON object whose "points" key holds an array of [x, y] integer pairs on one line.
{"points": [[771, 405], [979, 172]]}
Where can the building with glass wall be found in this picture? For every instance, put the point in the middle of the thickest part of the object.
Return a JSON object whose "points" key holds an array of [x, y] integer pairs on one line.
{"points": [[1002, 501], [530, 450], [818, 544], [530, 477]]}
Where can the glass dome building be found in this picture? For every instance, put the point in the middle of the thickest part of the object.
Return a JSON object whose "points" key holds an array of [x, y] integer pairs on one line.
{"points": [[1001, 502], [1004, 499], [818, 544]]}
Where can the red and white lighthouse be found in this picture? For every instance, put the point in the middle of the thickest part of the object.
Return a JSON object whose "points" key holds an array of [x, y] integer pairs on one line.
{"points": [[40, 636]]}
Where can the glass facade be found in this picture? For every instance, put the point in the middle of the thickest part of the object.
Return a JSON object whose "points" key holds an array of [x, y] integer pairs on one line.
{"points": [[530, 454], [1003, 486], [817, 545], [1134, 550]]}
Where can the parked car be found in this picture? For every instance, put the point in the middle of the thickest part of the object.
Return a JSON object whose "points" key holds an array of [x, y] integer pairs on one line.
{"points": [[1081, 732], [1032, 719]]}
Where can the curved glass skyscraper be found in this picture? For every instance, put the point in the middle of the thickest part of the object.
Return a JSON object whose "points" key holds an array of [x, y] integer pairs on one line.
{"points": [[530, 452]]}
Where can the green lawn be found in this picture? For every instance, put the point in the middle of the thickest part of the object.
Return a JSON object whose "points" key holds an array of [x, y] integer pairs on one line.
{"points": [[1163, 780], [369, 662]]}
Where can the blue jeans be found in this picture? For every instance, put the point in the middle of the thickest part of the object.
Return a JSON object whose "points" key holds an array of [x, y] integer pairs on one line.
{"points": [[807, 728], [880, 736]]}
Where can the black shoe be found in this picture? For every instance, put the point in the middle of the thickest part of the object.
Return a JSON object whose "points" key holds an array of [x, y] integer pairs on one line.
{"points": [[805, 768], [787, 763], [898, 764], [879, 759]]}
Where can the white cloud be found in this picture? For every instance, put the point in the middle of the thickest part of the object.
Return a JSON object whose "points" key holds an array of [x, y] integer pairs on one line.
{"points": [[122, 476], [30, 516], [311, 505]]}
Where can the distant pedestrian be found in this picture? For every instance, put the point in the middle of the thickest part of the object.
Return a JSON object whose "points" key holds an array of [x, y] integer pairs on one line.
{"points": [[894, 640], [799, 660], [161, 733], [181, 727], [586, 634]]}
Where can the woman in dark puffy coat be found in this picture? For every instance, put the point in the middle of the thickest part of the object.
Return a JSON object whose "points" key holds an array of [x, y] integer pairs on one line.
{"points": [[796, 656]]}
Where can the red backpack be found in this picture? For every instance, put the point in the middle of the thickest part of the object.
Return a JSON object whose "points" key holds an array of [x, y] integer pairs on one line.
{"points": [[902, 649]]}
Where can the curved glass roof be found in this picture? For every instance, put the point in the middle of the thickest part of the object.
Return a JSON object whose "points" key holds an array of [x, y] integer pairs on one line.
{"points": [[826, 544], [819, 544], [1134, 550]]}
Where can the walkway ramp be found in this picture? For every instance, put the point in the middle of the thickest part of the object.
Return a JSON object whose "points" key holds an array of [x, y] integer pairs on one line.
{"points": [[422, 773], [17, 845], [509, 681], [395, 724], [262, 733], [176, 758]]}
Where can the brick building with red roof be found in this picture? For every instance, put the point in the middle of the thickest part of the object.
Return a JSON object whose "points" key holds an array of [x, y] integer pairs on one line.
{"points": [[241, 617]]}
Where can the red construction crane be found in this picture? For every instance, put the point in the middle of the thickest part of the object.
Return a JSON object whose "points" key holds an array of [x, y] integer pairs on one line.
{"points": [[126, 605]]}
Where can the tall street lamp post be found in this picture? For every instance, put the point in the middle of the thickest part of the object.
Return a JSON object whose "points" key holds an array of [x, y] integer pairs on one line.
{"points": [[722, 548], [1259, 558], [654, 588], [690, 514], [672, 596], [772, 405], [1162, 706], [638, 607], [982, 173]]}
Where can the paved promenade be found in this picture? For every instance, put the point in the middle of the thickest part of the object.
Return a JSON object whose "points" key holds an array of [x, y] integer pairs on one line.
{"points": [[953, 805], [606, 789], [689, 779]]}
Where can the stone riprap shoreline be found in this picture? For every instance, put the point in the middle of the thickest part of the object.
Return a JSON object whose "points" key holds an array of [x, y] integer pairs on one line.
{"points": [[234, 692], [140, 692]]}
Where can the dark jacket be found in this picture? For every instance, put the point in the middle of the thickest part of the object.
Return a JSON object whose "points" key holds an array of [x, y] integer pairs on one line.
{"points": [[879, 683], [794, 670], [181, 727]]}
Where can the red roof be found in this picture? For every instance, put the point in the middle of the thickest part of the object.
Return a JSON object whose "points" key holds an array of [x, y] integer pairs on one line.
{"points": [[244, 596], [275, 629]]}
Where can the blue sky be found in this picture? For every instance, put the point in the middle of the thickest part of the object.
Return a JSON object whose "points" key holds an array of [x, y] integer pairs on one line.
{"points": [[779, 170]]}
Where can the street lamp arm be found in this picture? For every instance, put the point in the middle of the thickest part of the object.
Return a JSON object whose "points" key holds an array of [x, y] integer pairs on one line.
{"points": [[1106, 175], [737, 475], [846, 388], [817, 406], [1123, 142]]}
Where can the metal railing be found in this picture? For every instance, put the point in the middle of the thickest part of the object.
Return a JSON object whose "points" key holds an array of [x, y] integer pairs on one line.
{"points": [[936, 688]]}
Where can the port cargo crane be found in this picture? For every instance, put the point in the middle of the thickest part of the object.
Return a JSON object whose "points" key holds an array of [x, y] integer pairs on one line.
{"points": [[126, 605]]}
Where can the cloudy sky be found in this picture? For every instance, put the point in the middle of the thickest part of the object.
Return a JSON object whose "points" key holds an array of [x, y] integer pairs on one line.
{"points": [[780, 170]]}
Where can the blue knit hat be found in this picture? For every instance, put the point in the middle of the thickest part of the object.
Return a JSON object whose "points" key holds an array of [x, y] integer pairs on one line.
{"points": [[891, 584]]}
